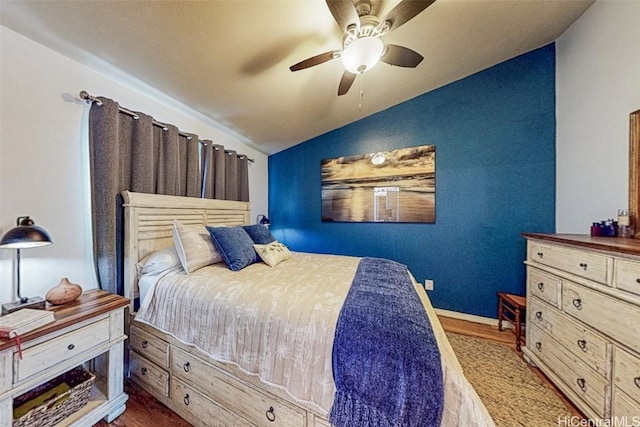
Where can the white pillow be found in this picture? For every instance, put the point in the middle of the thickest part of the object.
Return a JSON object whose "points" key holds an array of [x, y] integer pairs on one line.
{"points": [[194, 246], [159, 261], [273, 253]]}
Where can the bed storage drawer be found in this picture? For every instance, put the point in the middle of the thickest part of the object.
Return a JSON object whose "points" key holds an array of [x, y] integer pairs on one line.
{"points": [[624, 407], [206, 411], [149, 346], [627, 374], [603, 313], [319, 422], [584, 264], [41, 356], [260, 409], [583, 343], [149, 373], [575, 374], [545, 286]]}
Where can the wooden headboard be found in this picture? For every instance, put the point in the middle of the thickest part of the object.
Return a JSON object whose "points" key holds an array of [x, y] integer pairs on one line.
{"points": [[148, 225]]}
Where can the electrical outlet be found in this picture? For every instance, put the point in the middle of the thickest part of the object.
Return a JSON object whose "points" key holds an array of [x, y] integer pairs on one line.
{"points": [[428, 284]]}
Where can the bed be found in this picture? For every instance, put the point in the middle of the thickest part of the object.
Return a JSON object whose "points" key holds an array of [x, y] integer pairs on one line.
{"points": [[253, 370]]}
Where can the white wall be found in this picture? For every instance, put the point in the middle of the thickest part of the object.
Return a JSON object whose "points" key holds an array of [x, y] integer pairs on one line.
{"points": [[44, 155], [597, 86]]}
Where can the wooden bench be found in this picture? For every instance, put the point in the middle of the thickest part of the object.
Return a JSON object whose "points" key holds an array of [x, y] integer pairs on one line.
{"points": [[515, 305]]}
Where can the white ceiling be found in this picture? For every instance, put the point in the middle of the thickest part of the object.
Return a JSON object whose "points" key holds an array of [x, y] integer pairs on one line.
{"points": [[230, 59]]}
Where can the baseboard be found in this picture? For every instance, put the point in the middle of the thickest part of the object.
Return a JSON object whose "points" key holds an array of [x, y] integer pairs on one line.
{"points": [[468, 317]]}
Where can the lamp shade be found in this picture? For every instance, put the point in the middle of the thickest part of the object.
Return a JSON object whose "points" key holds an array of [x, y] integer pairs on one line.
{"points": [[25, 235], [362, 54], [263, 220]]}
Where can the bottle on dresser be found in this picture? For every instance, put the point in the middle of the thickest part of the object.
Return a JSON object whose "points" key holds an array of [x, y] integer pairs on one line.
{"points": [[624, 223]]}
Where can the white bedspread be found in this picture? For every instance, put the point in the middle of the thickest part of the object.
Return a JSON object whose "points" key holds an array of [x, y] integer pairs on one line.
{"points": [[282, 329], [260, 319]]}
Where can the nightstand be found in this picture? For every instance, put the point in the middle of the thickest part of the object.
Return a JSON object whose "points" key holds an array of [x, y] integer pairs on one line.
{"points": [[88, 331]]}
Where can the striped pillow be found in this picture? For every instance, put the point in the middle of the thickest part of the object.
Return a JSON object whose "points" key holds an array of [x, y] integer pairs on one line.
{"points": [[194, 246]]}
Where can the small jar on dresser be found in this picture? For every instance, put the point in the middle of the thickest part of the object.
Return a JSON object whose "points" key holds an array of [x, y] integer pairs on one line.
{"points": [[583, 320]]}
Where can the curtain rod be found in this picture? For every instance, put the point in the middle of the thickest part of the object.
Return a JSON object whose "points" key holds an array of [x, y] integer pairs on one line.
{"points": [[90, 99]]}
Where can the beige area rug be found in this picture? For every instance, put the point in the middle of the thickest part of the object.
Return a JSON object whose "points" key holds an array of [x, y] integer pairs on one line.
{"points": [[512, 393]]}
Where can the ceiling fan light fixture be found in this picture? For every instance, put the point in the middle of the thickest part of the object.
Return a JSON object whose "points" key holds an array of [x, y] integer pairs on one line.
{"points": [[362, 54], [377, 158]]}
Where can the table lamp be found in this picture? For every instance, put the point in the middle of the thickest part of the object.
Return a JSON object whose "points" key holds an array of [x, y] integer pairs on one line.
{"points": [[263, 220], [25, 235]]}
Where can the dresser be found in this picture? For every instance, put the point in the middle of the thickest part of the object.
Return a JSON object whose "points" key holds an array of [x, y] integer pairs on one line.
{"points": [[89, 332], [583, 320]]}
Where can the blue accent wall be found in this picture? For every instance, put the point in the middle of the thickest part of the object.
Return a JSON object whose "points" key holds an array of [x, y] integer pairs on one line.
{"points": [[494, 134]]}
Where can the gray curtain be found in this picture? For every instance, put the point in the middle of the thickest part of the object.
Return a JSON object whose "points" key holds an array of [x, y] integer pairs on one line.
{"points": [[225, 173], [231, 175], [243, 178], [137, 155], [213, 171]]}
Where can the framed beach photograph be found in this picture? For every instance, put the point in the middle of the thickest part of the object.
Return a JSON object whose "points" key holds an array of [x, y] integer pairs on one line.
{"points": [[386, 186]]}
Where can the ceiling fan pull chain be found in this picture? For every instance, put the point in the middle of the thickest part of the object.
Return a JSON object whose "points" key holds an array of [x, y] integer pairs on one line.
{"points": [[361, 91]]}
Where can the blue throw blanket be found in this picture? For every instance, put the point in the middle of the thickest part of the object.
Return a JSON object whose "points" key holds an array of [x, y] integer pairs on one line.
{"points": [[386, 363]]}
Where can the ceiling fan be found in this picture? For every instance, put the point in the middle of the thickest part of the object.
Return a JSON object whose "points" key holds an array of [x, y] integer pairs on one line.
{"points": [[362, 46]]}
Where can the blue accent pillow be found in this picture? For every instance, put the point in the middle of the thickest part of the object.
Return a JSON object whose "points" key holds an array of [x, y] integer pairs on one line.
{"points": [[235, 246], [259, 234]]}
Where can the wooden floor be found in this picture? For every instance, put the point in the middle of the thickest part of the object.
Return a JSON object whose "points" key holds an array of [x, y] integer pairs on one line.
{"points": [[143, 410]]}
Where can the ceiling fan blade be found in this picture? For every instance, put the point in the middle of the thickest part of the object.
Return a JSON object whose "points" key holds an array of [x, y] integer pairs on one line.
{"points": [[345, 82], [401, 56], [344, 12], [405, 11], [315, 60]]}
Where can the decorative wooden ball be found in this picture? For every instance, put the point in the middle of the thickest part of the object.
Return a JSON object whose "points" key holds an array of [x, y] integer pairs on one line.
{"points": [[64, 292]]}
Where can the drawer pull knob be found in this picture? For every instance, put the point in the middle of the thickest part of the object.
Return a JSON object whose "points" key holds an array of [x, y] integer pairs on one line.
{"points": [[583, 265], [143, 371], [541, 286], [539, 315], [271, 414], [145, 343], [71, 347], [582, 344], [185, 399], [186, 366], [638, 280], [538, 345], [636, 381], [540, 254], [577, 303], [582, 383]]}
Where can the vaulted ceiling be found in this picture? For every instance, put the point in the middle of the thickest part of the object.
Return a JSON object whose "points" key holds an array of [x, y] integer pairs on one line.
{"points": [[230, 59]]}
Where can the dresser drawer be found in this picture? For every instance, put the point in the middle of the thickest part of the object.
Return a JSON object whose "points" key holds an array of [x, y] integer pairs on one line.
{"points": [[149, 346], [627, 276], [149, 373], [575, 374], [626, 371], [615, 318], [583, 343], [256, 407], [584, 264], [545, 286], [44, 355], [207, 412]]}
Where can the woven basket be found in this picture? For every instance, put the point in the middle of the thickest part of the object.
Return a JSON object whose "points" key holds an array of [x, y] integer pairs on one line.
{"points": [[60, 405]]}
